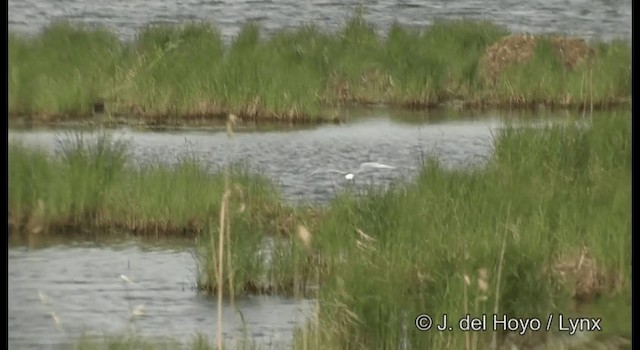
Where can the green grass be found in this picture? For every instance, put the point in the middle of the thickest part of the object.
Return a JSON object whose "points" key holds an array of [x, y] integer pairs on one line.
{"points": [[543, 227], [96, 183], [187, 73], [545, 80], [558, 198], [255, 262]]}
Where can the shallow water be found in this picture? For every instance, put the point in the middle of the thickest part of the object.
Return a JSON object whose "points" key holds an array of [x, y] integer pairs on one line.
{"points": [[299, 160], [81, 285], [602, 19]]}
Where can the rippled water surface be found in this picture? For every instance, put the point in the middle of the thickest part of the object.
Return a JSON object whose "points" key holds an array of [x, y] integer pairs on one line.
{"points": [[299, 160], [602, 19], [59, 292]]}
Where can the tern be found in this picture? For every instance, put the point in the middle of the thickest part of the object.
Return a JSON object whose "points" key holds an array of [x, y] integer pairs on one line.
{"points": [[349, 175], [126, 279]]}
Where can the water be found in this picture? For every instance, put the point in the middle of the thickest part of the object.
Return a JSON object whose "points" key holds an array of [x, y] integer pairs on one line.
{"points": [[81, 285], [290, 158], [592, 19]]}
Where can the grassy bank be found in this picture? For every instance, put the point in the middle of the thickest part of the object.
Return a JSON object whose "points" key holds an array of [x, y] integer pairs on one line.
{"points": [[93, 187], [186, 74], [544, 228], [94, 183]]}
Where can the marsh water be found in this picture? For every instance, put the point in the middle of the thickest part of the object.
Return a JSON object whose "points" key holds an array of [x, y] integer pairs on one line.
{"points": [[593, 19], [81, 283], [301, 161], [58, 292]]}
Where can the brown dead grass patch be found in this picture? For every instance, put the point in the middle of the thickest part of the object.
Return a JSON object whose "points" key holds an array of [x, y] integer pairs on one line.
{"points": [[205, 107], [339, 87], [579, 271], [519, 48], [373, 86]]}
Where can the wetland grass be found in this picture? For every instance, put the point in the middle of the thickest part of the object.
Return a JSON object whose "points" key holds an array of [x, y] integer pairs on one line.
{"points": [[543, 228], [187, 74], [251, 261], [94, 183]]}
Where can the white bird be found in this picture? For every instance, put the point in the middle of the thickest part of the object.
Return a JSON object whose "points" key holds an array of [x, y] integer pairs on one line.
{"points": [[350, 175], [126, 279]]}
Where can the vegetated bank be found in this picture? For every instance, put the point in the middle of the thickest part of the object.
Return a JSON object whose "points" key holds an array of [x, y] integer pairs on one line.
{"points": [[93, 187], [543, 229], [95, 184], [173, 75]]}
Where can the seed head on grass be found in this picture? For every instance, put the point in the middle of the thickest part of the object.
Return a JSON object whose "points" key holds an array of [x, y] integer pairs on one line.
{"points": [[483, 283], [365, 242], [304, 236], [365, 236]]}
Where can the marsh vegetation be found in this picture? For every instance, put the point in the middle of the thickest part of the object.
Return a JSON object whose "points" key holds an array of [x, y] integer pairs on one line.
{"points": [[189, 75], [543, 227]]}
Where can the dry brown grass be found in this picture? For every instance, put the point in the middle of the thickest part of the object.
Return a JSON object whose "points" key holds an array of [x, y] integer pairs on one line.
{"points": [[339, 87], [373, 86], [283, 220], [519, 48], [304, 236], [36, 221], [581, 273]]}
